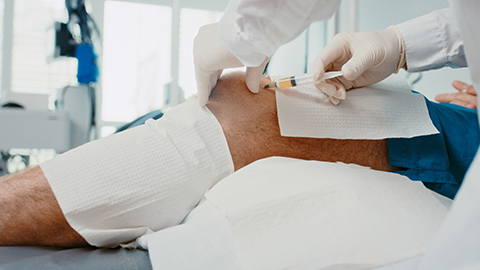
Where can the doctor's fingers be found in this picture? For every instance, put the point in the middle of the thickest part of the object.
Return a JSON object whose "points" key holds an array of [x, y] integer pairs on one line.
{"points": [[206, 81], [332, 57], [210, 57], [353, 54], [462, 99], [253, 76], [334, 90]]}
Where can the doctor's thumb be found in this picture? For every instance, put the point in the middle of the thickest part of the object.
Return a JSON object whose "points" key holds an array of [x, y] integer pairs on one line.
{"points": [[253, 76]]}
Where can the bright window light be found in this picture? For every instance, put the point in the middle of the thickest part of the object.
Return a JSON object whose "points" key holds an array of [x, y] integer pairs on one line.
{"points": [[136, 59], [1, 38], [107, 131], [190, 22]]}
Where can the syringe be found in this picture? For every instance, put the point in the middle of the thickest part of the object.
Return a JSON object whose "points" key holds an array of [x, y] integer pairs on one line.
{"points": [[303, 79]]}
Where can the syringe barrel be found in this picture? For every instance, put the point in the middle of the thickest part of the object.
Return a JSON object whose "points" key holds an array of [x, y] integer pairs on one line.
{"points": [[302, 79]]}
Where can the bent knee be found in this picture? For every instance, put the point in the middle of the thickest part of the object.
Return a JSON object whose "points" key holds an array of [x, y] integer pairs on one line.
{"points": [[235, 106], [248, 120]]}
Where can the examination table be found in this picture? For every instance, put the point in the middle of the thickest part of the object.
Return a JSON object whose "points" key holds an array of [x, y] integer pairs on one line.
{"points": [[74, 258]]}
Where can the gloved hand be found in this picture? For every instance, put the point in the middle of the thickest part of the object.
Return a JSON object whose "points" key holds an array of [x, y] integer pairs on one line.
{"points": [[364, 58], [211, 56]]}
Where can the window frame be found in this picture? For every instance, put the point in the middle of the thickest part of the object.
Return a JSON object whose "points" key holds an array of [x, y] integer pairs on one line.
{"points": [[7, 47], [97, 12]]}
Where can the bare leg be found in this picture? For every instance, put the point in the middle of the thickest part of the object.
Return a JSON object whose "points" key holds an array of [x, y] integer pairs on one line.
{"points": [[30, 214], [250, 124]]}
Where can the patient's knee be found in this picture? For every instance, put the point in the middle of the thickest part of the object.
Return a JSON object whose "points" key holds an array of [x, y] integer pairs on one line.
{"points": [[250, 124], [231, 101], [247, 119]]}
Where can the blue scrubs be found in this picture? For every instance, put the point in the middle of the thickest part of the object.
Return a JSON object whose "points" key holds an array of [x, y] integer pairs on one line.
{"points": [[440, 161]]}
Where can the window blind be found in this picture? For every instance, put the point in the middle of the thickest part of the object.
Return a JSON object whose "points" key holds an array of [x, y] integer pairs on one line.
{"points": [[30, 71]]}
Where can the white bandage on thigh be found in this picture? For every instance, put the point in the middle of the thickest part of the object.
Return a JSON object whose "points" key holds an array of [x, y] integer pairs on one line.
{"points": [[150, 177]]}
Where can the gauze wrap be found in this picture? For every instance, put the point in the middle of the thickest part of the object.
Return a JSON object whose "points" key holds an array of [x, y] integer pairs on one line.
{"points": [[384, 110], [144, 179]]}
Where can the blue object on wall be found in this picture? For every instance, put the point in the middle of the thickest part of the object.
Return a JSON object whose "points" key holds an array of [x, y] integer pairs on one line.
{"points": [[87, 71]]}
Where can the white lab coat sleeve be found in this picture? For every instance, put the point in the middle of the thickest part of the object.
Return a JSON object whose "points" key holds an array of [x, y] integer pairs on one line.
{"points": [[254, 29], [433, 41]]}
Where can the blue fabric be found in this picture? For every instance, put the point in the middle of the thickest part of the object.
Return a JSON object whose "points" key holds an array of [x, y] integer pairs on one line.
{"points": [[440, 161], [157, 114]]}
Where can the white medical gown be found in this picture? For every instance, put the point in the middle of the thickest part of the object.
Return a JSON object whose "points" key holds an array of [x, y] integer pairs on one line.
{"points": [[433, 41], [451, 37], [254, 29]]}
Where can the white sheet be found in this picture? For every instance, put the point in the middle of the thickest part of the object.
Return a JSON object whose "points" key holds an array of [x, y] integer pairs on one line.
{"points": [[296, 214]]}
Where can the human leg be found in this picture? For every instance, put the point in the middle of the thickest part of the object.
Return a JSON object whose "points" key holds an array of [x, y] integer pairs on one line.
{"points": [[249, 123], [440, 160], [30, 214]]}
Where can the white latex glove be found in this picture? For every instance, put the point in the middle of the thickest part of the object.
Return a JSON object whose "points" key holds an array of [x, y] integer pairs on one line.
{"points": [[211, 57], [364, 58]]}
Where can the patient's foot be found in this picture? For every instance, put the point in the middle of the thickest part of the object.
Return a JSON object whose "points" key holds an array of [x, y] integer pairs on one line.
{"points": [[250, 124]]}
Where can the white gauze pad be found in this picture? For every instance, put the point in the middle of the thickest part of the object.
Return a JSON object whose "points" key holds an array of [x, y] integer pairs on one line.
{"points": [[384, 110], [144, 179]]}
